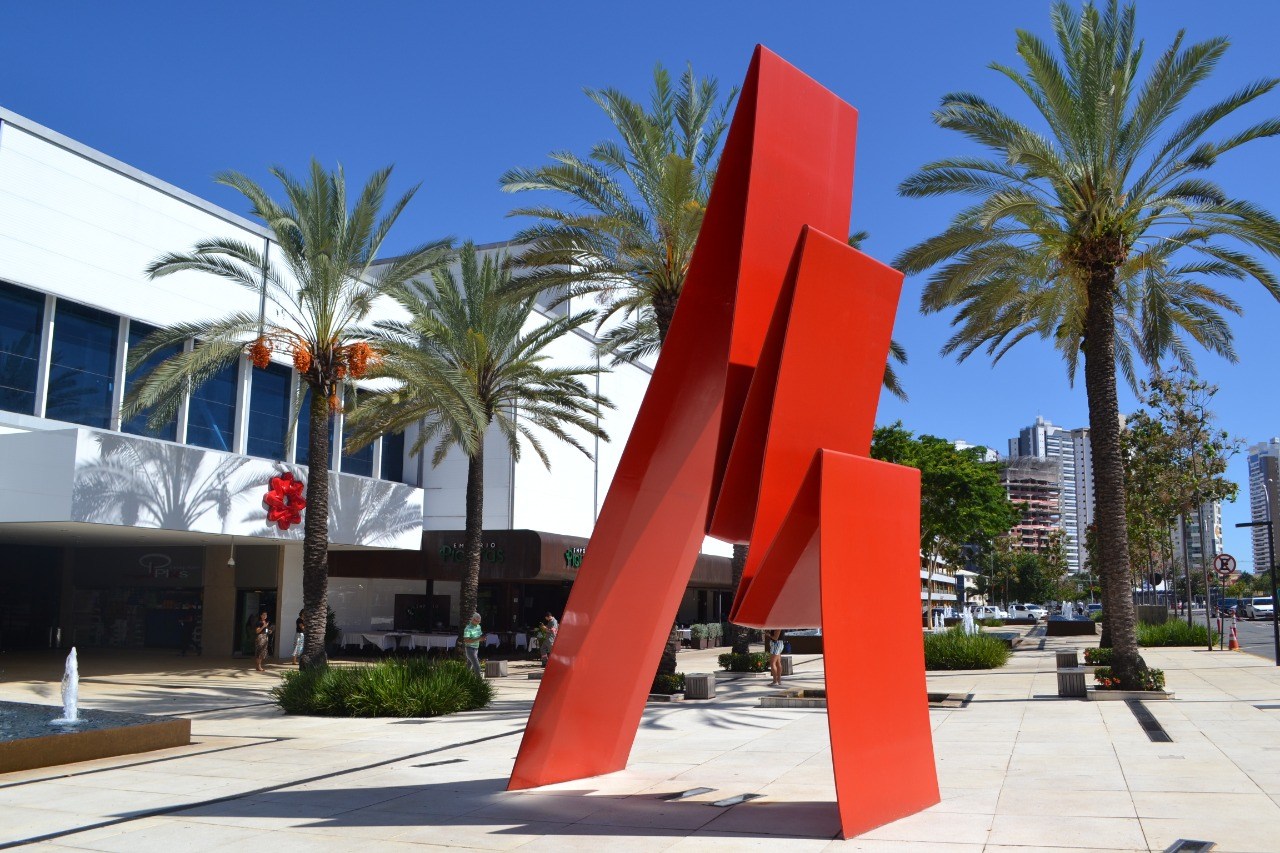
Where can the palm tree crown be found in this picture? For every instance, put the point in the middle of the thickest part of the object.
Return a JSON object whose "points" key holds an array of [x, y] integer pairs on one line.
{"points": [[636, 206], [1096, 232], [471, 329], [315, 299]]}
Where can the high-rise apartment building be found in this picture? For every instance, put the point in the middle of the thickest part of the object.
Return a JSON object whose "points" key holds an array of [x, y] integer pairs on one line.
{"points": [[1035, 485], [1205, 526], [1071, 451], [1264, 502]]}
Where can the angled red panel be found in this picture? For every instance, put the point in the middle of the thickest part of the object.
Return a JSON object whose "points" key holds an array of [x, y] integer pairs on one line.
{"points": [[788, 160], [824, 388], [756, 427]]}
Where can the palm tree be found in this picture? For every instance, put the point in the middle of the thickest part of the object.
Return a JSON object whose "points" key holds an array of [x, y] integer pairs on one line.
{"points": [[472, 324], [1096, 232], [313, 316], [635, 209]]}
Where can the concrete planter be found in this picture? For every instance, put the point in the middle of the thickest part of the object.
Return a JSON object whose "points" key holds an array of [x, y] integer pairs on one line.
{"points": [[666, 697], [1070, 628], [724, 673]]}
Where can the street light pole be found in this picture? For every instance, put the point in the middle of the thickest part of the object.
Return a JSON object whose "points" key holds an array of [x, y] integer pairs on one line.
{"points": [[1271, 559]]}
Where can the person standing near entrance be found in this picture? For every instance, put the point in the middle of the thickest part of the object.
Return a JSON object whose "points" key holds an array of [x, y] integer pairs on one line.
{"points": [[297, 644], [773, 640], [550, 627], [261, 639], [471, 643]]}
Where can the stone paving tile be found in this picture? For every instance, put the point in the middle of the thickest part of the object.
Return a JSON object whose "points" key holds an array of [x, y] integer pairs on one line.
{"points": [[1033, 802], [1252, 837], [1104, 833]]}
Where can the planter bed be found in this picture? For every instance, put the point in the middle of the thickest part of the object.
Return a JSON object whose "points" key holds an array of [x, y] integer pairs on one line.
{"points": [[1096, 694]]}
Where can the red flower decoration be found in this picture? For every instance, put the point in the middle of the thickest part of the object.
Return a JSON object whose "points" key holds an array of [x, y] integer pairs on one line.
{"points": [[284, 501]]}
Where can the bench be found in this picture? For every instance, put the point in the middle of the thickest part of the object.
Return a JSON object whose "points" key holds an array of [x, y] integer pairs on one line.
{"points": [[1071, 683], [700, 685], [1067, 659]]}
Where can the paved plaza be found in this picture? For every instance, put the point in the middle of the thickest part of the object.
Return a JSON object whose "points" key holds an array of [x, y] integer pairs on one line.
{"points": [[1019, 768]]}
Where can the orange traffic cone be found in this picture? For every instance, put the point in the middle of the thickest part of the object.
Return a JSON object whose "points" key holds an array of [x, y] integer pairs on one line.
{"points": [[1233, 644]]}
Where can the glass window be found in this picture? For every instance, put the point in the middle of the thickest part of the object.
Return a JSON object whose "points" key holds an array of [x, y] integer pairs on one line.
{"points": [[393, 457], [303, 454], [83, 368], [269, 406], [21, 315], [212, 418], [360, 462], [138, 423]]}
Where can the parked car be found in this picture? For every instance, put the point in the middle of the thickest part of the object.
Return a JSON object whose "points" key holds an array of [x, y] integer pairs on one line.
{"points": [[1026, 611], [1090, 609], [1259, 608], [1227, 605], [987, 611]]}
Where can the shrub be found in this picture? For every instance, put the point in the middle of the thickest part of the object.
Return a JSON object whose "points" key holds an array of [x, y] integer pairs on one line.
{"points": [[1097, 657], [1148, 679], [955, 649], [668, 683], [715, 630], [1096, 616], [754, 662], [698, 632], [991, 623], [412, 687], [1174, 633]]}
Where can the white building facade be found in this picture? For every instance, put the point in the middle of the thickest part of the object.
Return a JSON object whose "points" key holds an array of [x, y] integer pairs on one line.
{"points": [[112, 533]]}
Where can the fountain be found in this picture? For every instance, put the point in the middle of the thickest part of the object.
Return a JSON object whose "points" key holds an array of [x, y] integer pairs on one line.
{"points": [[70, 692], [970, 627], [29, 739]]}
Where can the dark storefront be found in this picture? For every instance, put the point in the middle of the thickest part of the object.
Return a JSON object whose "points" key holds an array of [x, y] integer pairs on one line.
{"points": [[523, 575]]}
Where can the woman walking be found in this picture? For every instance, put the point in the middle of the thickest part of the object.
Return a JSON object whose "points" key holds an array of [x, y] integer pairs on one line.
{"points": [[261, 639]]}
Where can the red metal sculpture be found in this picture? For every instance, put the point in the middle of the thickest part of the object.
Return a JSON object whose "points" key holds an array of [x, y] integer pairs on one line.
{"points": [[756, 428]]}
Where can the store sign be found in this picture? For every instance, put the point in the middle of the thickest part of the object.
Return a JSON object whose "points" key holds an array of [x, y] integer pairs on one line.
{"points": [[456, 552], [160, 567], [573, 557]]}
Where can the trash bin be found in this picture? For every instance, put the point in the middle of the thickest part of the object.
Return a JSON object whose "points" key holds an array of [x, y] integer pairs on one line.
{"points": [[700, 685]]}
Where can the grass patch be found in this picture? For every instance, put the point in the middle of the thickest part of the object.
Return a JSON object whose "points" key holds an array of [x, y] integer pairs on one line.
{"points": [[955, 649], [413, 687], [754, 662], [1174, 633]]}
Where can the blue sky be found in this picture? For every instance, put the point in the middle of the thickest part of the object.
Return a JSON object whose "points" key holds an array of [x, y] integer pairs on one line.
{"points": [[454, 94]]}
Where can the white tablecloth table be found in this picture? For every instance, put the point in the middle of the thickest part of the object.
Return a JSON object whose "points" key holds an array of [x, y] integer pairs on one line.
{"points": [[385, 640], [685, 633], [433, 641], [522, 639], [491, 640]]}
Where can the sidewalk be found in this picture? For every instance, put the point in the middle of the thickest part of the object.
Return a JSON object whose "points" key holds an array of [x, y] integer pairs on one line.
{"points": [[1019, 768]]}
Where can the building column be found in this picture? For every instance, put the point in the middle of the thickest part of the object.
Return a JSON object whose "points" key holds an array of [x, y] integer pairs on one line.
{"points": [[289, 595], [219, 633]]}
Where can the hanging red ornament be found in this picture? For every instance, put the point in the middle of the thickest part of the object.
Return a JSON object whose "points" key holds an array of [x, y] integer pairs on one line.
{"points": [[284, 501]]}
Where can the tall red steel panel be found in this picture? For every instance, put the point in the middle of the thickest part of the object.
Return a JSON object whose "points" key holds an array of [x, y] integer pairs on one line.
{"points": [[755, 428]]}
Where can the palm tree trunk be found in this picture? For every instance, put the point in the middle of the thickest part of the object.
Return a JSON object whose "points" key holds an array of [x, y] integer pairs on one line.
{"points": [[473, 539], [664, 309], [315, 535], [740, 637], [1108, 475]]}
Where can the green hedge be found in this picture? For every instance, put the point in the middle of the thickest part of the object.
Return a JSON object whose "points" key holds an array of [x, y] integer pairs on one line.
{"points": [[412, 687], [668, 683], [1174, 633], [754, 662], [955, 649], [1098, 656]]}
